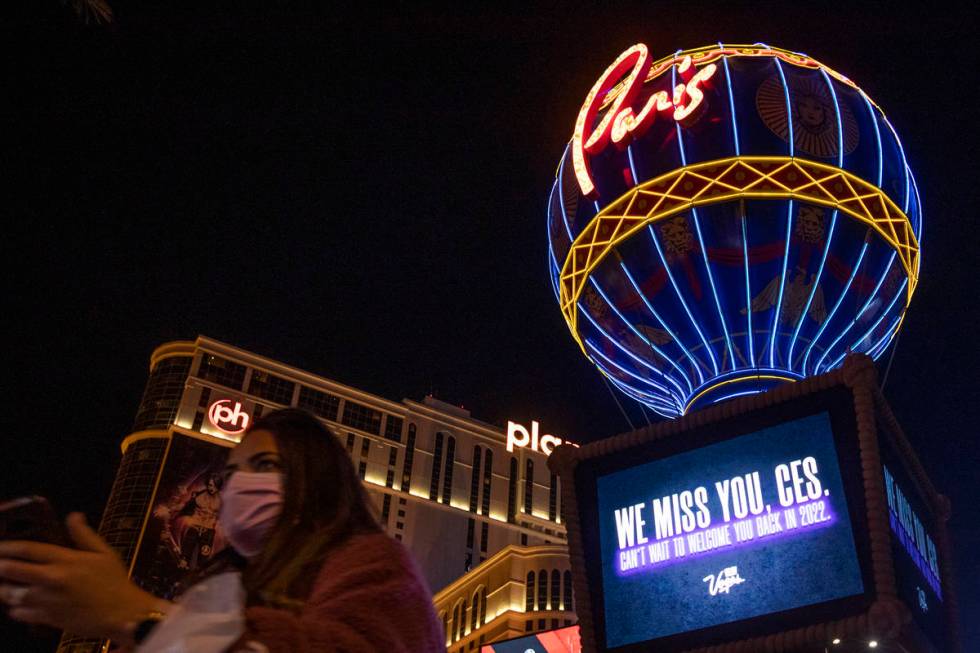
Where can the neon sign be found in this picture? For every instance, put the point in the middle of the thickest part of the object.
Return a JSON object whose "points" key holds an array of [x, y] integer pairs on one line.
{"points": [[519, 436], [227, 419], [621, 123], [912, 534]]}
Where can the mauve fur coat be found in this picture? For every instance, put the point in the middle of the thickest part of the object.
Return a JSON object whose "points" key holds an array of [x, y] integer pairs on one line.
{"points": [[368, 597]]}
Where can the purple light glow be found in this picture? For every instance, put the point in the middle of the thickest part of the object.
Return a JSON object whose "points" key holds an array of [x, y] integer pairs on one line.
{"points": [[643, 551], [913, 551]]}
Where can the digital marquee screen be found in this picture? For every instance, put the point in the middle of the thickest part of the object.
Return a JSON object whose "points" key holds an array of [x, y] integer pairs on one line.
{"points": [[914, 550], [749, 526]]}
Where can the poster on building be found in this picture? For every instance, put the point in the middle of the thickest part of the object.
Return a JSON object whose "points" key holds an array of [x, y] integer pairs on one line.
{"points": [[181, 533], [562, 640], [750, 526]]}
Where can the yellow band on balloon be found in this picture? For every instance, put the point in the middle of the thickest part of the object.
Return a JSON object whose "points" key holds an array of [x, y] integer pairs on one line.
{"points": [[724, 180]]}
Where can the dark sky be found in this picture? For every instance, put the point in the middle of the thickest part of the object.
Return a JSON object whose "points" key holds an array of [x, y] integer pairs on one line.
{"points": [[363, 196]]}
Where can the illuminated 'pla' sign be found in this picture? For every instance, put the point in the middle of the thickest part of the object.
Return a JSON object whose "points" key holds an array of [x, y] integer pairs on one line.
{"points": [[622, 123], [519, 436], [228, 420]]}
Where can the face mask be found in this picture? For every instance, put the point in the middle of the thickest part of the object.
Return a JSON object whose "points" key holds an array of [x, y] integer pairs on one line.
{"points": [[250, 505]]}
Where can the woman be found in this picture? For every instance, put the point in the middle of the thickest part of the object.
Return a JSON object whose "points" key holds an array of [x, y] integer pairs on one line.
{"points": [[317, 572]]}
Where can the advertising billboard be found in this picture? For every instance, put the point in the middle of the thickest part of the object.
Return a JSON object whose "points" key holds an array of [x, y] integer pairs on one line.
{"points": [[562, 640], [181, 534], [794, 520], [915, 553], [750, 526]]}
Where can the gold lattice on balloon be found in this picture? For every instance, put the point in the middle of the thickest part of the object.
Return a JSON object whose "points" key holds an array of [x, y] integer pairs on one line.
{"points": [[743, 177]]}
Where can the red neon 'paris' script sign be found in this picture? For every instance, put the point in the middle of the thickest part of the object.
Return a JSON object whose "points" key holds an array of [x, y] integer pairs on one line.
{"points": [[622, 123]]}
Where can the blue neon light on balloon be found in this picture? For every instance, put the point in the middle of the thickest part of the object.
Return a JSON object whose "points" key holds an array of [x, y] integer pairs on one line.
{"points": [[703, 300]]}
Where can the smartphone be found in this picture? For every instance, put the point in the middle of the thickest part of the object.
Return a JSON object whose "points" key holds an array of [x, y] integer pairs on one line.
{"points": [[31, 518]]}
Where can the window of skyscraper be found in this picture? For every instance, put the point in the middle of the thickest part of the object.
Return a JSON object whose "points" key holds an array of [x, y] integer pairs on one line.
{"points": [[393, 428], [436, 468], [319, 403], [512, 492], [553, 499], [362, 417], [487, 482], [447, 483], [529, 486], [409, 459], [271, 387], [475, 478], [217, 369], [161, 398]]}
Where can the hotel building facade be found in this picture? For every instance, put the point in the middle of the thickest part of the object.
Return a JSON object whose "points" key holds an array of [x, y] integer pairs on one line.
{"points": [[483, 522]]}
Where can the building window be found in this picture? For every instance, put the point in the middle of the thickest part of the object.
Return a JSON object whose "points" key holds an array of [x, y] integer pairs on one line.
{"points": [[350, 443], [202, 401], [362, 469], [512, 493], [529, 625], [385, 509], [567, 603], [475, 611], [459, 620], [392, 457], [271, 387], [542, 590], [553, 499], [198, 421], [447, 477], [399, 525], [390, 479], [487, 480], [161, 397], [555, 589], [529, 486], [483, 608], [409, 458], [475, 478], [529, 593], [365, 447], [470, 529], [523, 539], [393, 428], [436, 468], [484, 534], [362, 417], [319, 403], [401, 513], [222, 371]]}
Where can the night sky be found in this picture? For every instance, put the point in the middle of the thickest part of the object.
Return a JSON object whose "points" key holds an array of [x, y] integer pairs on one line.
{"points": [[363, 196]]}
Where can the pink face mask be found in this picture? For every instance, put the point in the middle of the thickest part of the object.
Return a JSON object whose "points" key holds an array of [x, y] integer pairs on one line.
{"points": [[250, 505]]}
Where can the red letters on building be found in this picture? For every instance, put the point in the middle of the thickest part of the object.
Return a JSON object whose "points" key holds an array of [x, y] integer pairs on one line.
{"points": [[227, 419], [621, 123]]}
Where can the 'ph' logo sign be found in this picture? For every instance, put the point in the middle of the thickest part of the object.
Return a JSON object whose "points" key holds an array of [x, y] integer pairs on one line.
{"points": [[226, 419]]}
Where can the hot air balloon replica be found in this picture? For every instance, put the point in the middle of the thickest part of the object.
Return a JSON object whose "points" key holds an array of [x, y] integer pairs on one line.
{"points": [[729, 218]]}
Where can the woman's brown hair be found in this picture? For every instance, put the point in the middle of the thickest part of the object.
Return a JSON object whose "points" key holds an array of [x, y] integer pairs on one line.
{"points": [[324, 503]]}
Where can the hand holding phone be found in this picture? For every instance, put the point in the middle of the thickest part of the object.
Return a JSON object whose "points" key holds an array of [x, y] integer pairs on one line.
{"points": [[31, 518], [85, 589]]}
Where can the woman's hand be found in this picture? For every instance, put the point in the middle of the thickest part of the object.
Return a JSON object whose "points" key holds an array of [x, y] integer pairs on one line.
{"points": [[85, 591]]}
